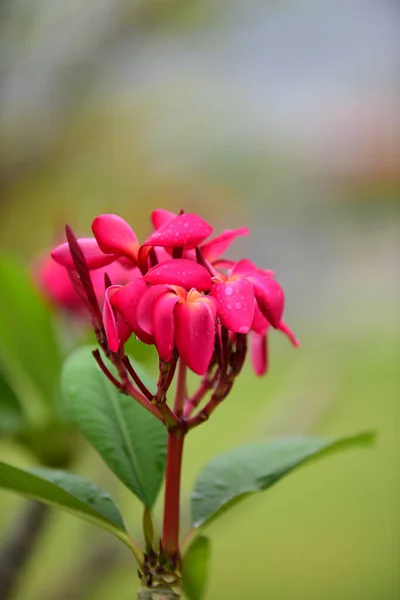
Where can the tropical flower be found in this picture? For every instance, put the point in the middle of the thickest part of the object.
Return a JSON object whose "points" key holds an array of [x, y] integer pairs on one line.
{"points": [[180, 295]]}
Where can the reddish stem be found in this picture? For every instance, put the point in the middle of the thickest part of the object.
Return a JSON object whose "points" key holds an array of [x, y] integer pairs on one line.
{"points": [[105, 370], [170, 536], [136, 395], [215, 400], [136, 378], [205, 386], [180, 394]]}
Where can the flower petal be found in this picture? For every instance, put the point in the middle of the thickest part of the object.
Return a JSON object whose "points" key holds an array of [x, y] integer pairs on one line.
{"points": [[259, 353], [259, 324], [110, 320], [235, 304], [180, 271], [224, 265], [125, 301], [124, 330], [162, 254], [145, 307], [266, 272], [270, 298], [161, 216], [118, 274], [195, 332], [115, 236], [163, 324], [214, 248], [244, 268], [54, 282], [94, 257], [186, 230], [289, 333]]}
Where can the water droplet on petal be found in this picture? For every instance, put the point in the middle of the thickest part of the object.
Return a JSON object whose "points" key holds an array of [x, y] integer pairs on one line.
{"points": [[238, 305], [228, 291]]}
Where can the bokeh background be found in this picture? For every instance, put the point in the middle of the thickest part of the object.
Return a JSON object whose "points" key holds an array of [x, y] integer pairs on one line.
{"points": [[279, 115]]}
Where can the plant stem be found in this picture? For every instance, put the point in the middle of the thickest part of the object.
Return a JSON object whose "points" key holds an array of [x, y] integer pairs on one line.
{"points": [[180, 394], [170, 536], [204, 414], [205, 386], [19, 545]]}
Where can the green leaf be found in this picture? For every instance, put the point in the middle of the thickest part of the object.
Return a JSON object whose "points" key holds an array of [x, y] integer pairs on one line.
{"points": [[130, 439], [29, 354], [68, 492], [11, 413], [235, 474], [196, 564]]}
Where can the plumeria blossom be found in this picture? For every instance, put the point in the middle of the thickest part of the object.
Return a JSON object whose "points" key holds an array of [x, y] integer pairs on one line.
{"points": [[172, 315], [238, 293], [180, 293], [212, 249]]}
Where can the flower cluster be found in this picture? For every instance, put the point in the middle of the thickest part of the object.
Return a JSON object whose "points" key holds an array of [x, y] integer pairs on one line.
{"points": [[179, 294]]}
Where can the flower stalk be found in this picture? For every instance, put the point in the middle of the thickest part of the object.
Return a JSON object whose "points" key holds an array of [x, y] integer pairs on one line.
{"points": [[170, 535]]}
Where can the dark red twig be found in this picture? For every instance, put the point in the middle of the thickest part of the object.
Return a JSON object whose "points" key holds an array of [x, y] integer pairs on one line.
{"points": [[136, 378], [84, 274], [106, 371], [205, 386], [166, 375]]}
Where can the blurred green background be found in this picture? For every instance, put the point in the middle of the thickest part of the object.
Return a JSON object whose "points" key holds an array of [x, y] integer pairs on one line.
{"points": [[281, 116]]}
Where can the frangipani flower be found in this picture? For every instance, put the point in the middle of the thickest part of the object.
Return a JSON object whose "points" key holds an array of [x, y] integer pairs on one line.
{"points": [[180, 294], [212, 249], [172, 315], [238, 293]]}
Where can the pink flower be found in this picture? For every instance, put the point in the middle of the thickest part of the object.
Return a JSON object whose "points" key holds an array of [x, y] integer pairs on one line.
{"points": [[171, 315], [176, 290], [238, 293], [212, 249]]}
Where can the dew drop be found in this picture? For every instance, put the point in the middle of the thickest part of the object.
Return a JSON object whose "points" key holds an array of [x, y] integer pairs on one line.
{"points": [[238, 305], [228, 291], [229, 306]]}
